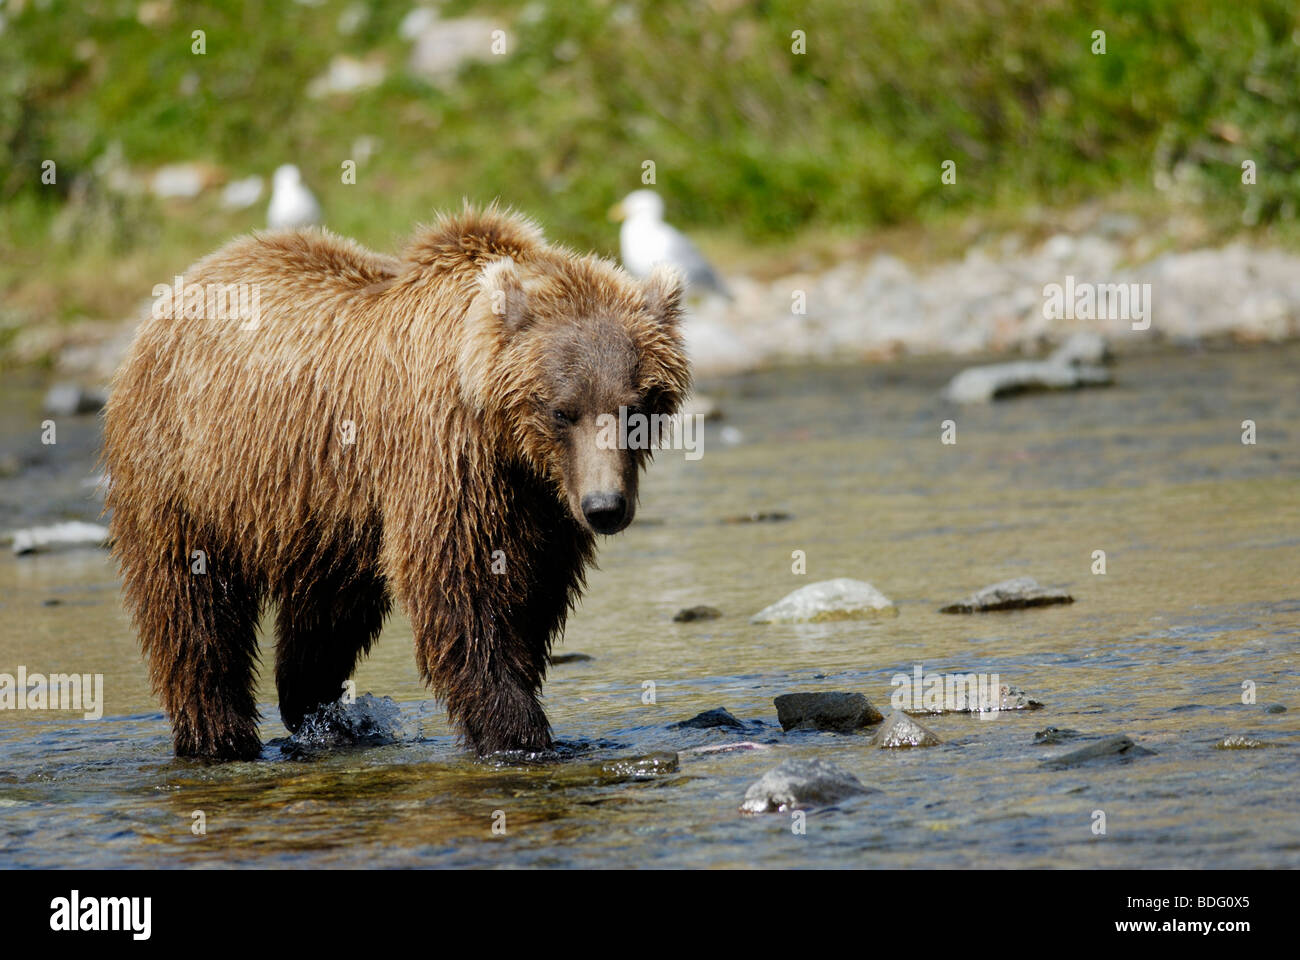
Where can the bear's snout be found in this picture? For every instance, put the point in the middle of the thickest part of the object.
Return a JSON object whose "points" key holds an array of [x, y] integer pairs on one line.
{"points": [[606, 512]]}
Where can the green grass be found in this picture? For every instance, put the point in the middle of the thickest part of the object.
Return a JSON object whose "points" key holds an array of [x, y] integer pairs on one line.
{"points": [[756, 147]]}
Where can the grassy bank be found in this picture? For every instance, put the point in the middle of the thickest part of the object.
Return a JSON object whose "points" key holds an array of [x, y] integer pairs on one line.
{"points": [[757, 148]]}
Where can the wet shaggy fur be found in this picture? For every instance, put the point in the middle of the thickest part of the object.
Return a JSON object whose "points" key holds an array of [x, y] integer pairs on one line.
{"points": [[471, 368]]}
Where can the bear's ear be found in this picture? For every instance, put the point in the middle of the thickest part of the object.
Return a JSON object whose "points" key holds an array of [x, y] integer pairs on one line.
{"points": [[665, 289], [504, 289]]}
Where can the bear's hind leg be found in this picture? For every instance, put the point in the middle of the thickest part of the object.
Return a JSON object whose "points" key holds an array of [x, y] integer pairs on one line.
{"points": [[321, 636], [196, 611]]}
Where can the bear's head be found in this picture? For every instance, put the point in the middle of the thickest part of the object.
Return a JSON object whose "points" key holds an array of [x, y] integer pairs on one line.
{"points": [[581, 367]]}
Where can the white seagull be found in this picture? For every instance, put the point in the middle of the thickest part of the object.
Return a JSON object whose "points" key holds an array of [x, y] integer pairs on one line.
{"points": [[644, 240], [292, 204]]}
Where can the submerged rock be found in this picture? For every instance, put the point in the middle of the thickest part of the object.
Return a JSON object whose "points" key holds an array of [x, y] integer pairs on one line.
{"points": [[760, 516], [640, 768], [839, 712], [69, 399], [58, 536], [691, 614], [720, 717], [841, 599], [1238, 742], [900, 730], [998, 380], [798, 783], [557, 658], [1082, 346], [727, 747], [1014, 594], [1008, 698], [1111, 748], [1274, 708], [1051, 735], [701, 406]]}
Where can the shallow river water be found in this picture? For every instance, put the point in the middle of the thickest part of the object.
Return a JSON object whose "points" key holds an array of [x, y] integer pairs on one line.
{"points": [[1201, 594]]}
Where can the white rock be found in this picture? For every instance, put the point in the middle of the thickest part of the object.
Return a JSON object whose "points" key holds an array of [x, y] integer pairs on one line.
{"points": [[239, 194], [982, 384], [443, 45], [184, 180], [346, 75], [840, 599], [72, 534]]}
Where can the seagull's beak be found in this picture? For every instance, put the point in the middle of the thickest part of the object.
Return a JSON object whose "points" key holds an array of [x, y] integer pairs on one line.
{"points": [[617, 213]]}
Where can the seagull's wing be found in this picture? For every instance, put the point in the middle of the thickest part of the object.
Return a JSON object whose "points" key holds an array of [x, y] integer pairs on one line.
{"points": [[699, 272]]}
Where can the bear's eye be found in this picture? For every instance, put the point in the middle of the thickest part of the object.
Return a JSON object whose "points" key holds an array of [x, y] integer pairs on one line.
{"points": [[563, 418]]}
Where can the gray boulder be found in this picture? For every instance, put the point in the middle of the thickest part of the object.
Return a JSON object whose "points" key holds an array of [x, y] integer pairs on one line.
{"points": [[1111, 748], [827, 600], [998, 380], [799, 783], [839, 712], [1014, 594], [900, 730]]}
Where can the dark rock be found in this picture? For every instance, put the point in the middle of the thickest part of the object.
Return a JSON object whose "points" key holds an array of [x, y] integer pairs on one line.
{"points": [[720, 717], [1013, 594], [760, 516], [69, 399], [1052, 735], [557, 658], [900, 730], [801, 783], [727, 747], [840, 712], [1082, 347], [1111, 748], [1274, 708], [691, 614]]}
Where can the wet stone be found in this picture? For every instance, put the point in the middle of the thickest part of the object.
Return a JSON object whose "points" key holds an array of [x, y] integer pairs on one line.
{"points": [[691, 614], [1009, 698], [1239, 742], [900, 730], [727, 747], [1015, 594], [69, 399], [838, 712], [720, 717], [760, 516], [558, 658], [998, 380], [1119, 748], [1275, 708], [828, 600], [1052, 735], [800, 783], [640, 768]]}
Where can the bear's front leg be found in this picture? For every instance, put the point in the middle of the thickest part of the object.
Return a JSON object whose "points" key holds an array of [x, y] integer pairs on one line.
{"points": [[488, 678], [497, 711]]}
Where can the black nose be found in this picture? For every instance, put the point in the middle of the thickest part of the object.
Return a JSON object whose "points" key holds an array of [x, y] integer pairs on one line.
{"points": [[605, 511]]}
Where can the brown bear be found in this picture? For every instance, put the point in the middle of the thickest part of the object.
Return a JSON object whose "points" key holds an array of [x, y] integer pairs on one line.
{"points": [[419, 428]]}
